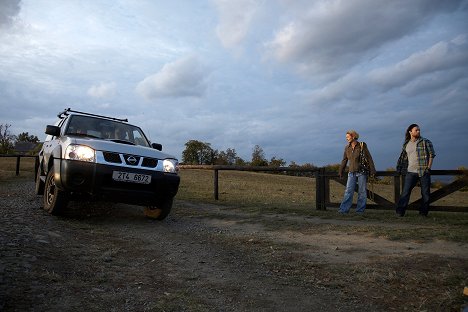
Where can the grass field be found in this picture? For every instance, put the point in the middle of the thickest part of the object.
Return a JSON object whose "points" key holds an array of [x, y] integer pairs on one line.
{"points": [[276, 193], [263, 193], [267, 192], [8, 168], [259, 191]]}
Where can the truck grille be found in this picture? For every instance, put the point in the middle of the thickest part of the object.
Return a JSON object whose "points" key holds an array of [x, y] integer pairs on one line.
{"points": [[130, 160], [149, 162], [112, 157]]}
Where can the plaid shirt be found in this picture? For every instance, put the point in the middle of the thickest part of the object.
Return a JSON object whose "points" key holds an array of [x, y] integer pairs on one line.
{"points": [[424, 150]]}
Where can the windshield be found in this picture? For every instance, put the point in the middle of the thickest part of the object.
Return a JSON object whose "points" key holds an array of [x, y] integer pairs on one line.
{"points": [[106, 129]]}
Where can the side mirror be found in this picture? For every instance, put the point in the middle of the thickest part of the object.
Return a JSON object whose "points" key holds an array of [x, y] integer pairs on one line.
{"points": [[52, 130], [157, 146]]}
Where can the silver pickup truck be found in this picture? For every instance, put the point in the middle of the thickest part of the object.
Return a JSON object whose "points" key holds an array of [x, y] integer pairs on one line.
{"points": [[93, 157]]}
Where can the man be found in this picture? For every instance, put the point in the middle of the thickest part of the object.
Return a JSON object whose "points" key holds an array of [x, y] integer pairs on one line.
{"points": [[415, 161]]}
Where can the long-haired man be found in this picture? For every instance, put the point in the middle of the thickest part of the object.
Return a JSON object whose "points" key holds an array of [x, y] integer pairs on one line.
{"points": [[415, 162]]}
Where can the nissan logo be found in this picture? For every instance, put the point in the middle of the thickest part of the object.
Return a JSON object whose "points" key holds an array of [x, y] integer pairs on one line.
{"points": [[132, 160]]}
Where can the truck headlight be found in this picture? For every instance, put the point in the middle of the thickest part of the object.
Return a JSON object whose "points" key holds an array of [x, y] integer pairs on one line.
{"points": [[171, 165], [80, 152]]}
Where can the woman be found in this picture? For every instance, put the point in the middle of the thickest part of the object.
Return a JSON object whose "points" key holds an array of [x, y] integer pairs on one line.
{"points": [[356, 174]]}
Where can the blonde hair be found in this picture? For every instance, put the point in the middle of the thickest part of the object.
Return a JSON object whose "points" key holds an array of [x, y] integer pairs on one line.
{"points": [[353, 133]]}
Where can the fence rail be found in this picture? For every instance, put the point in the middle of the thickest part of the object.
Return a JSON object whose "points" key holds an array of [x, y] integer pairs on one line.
{"points": [[322, 186]]}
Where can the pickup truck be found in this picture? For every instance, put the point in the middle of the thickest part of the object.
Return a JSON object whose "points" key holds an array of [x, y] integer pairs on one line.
{"points": [[93, 157]]}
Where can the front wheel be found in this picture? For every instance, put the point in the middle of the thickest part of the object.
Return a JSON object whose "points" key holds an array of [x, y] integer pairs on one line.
{"points": [[55, 200], [160, 211]]}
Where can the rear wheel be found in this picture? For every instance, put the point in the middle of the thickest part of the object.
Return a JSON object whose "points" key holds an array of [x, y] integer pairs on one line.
{"points": [[160, 211], [55, 200]]}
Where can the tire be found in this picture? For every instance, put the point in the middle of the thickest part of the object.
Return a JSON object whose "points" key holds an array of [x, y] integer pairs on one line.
{"points": [[39, 189], [55, 200], [160, 211]]}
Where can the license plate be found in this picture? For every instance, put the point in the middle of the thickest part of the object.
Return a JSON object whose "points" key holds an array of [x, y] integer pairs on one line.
{"points": [[131, 177]]}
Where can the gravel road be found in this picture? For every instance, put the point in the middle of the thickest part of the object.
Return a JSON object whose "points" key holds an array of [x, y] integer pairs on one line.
{"points": [[109, 257]]}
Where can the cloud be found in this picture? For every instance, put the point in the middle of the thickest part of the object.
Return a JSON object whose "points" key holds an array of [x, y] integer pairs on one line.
{"points": [[103, 90], [8, 12], [182, 78], [418, 68], [330, 35], [423, 72], [433, 82], [235, 18]]}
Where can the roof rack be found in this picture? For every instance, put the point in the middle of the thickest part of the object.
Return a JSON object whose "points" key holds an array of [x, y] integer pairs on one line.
{"points": [[67, 111]]}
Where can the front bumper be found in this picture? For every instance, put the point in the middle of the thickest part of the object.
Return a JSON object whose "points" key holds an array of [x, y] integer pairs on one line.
{"points": [[77, 177]]}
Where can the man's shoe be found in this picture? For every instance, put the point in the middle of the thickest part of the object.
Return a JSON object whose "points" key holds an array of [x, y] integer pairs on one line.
{"points": [[400, 215]]}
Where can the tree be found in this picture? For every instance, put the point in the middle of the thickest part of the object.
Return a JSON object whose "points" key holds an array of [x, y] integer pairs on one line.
{"points": [[221, 159], [25, 137], [277, 162], [332, 167], [307, 166], [198, 153], [258, 157], [228, 157], [240, 162], [6, 139], [231, 156]]}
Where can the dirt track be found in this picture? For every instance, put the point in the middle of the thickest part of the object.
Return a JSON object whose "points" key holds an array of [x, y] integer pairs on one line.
{"points": [[104, 257]]}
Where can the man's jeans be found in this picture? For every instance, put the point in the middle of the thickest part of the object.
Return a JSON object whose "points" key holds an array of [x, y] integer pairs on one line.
{"points": [[410, 182], [349, 192]]}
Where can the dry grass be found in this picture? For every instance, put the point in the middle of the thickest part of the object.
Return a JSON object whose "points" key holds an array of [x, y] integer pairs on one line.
{"points": [[244, 189], [8, 168], [247, 189], [417, 283], [263, 193]]}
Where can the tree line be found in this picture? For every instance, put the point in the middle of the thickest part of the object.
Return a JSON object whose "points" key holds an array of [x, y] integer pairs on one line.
{"points": [[8, 140], [201, 153]]}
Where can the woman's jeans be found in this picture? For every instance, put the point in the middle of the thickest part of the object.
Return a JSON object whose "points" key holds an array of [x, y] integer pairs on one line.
{"points": [[361, 180], [410, 182]]}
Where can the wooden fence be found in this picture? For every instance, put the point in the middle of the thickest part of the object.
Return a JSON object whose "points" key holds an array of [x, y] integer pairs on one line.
{"points": [[322, 186], [18, 161]]}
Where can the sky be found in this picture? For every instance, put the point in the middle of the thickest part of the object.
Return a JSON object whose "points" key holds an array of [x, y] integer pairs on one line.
{"points": [[291, 76]]}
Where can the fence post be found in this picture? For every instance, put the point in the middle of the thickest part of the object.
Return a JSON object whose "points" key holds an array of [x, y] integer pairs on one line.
{"points": [[317, 190], [36, 166], [320, 189], [216, 184], [326, 194], [396, 189], [17, 164]]}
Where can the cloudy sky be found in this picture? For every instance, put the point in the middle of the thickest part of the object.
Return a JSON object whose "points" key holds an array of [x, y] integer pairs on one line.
{"points": [[289, 75]]}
